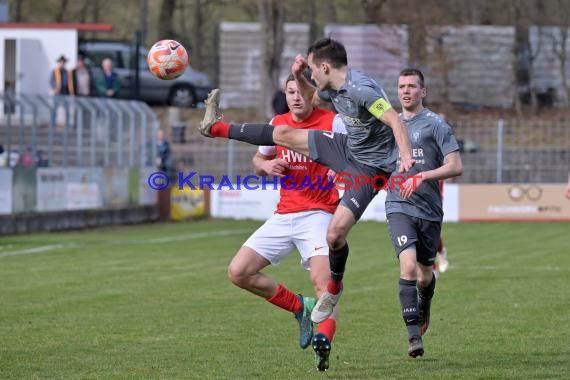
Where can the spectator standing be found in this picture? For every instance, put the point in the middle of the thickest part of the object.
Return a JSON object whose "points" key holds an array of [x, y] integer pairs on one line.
{"points": [[107, 82], [82, 77], [61, 79], [163, 160]]}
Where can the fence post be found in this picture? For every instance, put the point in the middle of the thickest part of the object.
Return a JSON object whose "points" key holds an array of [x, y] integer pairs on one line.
{"points": [[78, 132], [34, 107], [66, 128], [51, 105], [130, 112], [500, 130], [92, 110], [8, 103], [231, 154], [142, 130]]}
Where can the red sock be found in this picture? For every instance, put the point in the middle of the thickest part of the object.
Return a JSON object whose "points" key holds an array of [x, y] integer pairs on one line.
{"points": [[440, 245], [286, 299], [328, 327], [334, 287], [220, 129]]}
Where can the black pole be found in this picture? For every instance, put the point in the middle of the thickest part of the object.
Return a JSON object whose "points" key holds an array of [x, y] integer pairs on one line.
{"points": [[136, 62]]}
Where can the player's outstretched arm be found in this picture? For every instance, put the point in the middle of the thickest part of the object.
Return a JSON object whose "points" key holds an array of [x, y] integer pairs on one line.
{"points": [[391, 118]]}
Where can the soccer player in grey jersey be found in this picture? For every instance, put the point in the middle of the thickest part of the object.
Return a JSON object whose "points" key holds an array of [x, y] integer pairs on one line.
{"points": [[373, 128], [415, 211]]}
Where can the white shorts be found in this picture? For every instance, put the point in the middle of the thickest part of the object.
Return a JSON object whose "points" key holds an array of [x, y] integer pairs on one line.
{"points": [[282, 233]]}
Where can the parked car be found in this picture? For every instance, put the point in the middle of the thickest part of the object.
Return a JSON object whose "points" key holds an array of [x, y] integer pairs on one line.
{"points": [[189, 89]]}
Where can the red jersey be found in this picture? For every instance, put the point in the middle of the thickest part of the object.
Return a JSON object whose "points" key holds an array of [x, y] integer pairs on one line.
{"points": [[306, 186]]}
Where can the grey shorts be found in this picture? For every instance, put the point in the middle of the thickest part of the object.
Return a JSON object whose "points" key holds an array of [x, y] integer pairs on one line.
{"points": [[407, 230], [360, 182]]}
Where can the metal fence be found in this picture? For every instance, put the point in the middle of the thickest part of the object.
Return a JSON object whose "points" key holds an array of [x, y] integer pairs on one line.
{"points": [[68, 131], [514, 151], [493, 151]]}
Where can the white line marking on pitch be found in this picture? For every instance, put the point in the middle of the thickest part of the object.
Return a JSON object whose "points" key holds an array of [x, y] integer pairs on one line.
{"points": [[161, 240]]}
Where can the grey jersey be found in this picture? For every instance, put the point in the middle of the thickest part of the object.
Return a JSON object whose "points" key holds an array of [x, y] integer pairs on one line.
{"points": [[360, 102], [431, 139]]}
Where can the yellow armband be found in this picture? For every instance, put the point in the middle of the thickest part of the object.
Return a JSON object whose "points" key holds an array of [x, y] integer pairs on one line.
{"points": [[379, 107]]}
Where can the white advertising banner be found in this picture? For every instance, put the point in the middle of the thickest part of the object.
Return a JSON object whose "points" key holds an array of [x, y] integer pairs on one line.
{"points": [[147, 196], [83, 196], [243, 204], [51, 189], [260, 204], [115, 187], [65, 188], [5, 191]]}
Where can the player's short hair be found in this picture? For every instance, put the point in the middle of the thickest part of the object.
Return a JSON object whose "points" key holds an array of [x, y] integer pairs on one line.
{"points": [[306, 74], [408, 72], [327, 49]]}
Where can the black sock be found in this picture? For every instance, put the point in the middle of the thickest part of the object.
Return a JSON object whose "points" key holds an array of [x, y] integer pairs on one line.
{"points": [[256, 134], [408, 293], [337, 261], [427, 292]]}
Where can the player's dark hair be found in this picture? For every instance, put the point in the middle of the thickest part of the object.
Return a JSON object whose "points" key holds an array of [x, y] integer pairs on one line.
{"points": [[411, 72], [327, 49]]}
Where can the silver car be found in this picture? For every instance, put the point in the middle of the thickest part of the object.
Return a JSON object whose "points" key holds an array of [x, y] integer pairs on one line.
{"points": [[190, 89]]}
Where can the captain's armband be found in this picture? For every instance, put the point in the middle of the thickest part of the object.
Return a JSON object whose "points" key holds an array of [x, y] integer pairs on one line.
{"points": [[379, 107]]}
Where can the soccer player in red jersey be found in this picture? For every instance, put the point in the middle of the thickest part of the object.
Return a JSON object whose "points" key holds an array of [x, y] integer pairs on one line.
{"points": [[307, 202]]}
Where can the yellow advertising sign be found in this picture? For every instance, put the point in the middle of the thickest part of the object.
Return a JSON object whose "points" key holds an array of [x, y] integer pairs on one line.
{"points": [[187, 203]]}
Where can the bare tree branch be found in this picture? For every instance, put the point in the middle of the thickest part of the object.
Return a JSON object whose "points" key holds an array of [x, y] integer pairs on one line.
{"points": [[60, 16], [271, 14], [165, 24]]}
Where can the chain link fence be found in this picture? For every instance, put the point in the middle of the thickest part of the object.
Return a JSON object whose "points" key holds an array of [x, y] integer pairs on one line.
{"points": [[493, 151], [514, 151], [64, 131], [67, 131]]}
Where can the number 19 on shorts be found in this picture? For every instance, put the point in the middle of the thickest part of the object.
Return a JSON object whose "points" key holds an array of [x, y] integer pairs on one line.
{"points": [[403, 239]]}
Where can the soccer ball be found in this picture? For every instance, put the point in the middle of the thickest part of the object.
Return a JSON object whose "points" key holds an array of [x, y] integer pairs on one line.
{"points": [[167, 59]]}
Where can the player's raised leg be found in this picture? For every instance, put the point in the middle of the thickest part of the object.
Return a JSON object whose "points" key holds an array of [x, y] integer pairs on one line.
{"points": [[253, 133]]}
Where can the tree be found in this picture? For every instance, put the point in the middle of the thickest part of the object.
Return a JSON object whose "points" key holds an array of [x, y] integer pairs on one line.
{"points": [[62, 11], [560, 47], [18, 11], [165, 24], [271, 18], [371, 11]]}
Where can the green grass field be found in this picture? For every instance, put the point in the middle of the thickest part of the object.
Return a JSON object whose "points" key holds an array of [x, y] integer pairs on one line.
{"points": [[154, 302]]}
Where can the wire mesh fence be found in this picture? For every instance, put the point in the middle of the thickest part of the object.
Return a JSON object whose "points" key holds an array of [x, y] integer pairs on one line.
{"points": [[507, 151], [66, 131], [493, 151]]}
